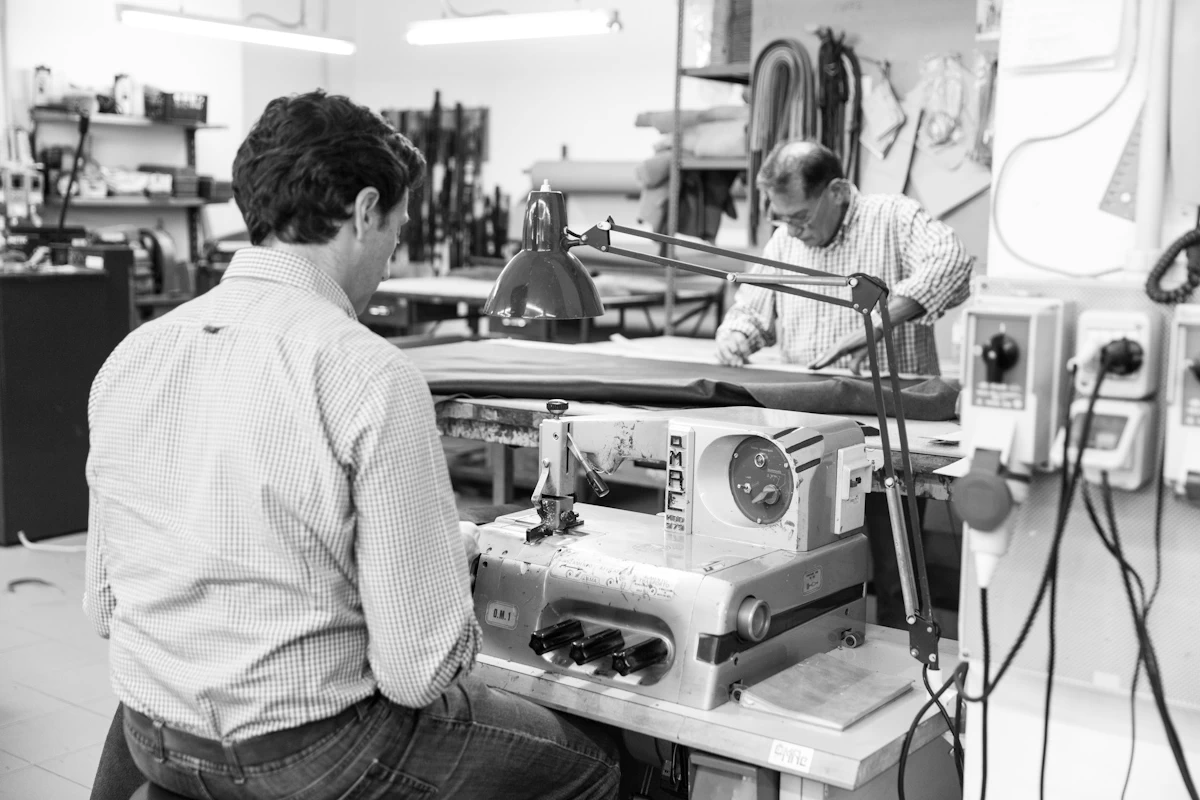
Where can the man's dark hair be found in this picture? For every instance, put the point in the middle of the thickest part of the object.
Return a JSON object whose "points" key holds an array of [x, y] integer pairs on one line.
{"points": [[801, 164], [308, 156]]}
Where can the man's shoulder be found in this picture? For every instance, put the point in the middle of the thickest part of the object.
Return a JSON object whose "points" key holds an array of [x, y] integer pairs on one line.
{"points": [[889, 204]]}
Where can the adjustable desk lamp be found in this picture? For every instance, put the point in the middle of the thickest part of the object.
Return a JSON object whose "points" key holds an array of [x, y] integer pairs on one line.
{"points": [[546, 281]]}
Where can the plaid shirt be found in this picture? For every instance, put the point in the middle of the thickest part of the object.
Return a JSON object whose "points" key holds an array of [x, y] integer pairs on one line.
{"points": [[272, 531], [888, 236]]}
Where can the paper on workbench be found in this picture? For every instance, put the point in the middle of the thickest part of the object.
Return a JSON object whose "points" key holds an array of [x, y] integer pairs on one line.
{"points": [[824, 690], [955, 469]]}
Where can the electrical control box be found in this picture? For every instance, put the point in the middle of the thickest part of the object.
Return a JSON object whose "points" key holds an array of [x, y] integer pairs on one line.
{"points": [[1182, 456], [1012, 393], [1136, 334], [1120, 442]]}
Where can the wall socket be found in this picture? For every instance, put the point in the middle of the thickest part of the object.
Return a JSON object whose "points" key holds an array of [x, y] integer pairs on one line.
{"points": [[1012, 368], [1097, 328]]}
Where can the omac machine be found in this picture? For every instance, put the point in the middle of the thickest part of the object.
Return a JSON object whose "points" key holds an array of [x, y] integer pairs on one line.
{"points": [[758, 560]]}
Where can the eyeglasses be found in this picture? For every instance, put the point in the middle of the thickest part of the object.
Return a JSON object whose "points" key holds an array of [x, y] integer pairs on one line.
{"points": [[797, 220]]}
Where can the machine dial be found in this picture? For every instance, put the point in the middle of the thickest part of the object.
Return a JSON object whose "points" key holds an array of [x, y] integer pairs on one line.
{"points": [[760, 477]]}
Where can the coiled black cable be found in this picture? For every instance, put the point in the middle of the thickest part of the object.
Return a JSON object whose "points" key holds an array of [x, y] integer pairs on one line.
{"points": [[1191, 242]]}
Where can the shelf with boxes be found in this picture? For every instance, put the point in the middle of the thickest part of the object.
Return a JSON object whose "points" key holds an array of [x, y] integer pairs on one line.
{"points": [[138, 196]]}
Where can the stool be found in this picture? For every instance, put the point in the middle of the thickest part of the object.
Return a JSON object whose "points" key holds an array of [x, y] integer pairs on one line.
{"points": [[148, 791]]}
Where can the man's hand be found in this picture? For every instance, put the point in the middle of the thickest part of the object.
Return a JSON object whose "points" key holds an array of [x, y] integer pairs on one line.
{"points": [[846, 346], [470, 539], [733, 348]]}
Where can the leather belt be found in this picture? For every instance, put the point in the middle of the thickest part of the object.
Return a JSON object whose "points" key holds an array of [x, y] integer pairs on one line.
{"points": [[255, 750]]}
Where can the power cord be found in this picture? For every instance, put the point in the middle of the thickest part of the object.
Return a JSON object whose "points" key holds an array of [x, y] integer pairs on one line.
{"points": [[952, 726], [955, 678], [1147, 653], [1137, 668], [983, 716], [1180, 294], [1064, 511]]}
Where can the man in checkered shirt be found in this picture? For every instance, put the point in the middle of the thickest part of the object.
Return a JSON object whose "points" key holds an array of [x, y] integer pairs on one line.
{"points": [[274, 550], [827, 225]]}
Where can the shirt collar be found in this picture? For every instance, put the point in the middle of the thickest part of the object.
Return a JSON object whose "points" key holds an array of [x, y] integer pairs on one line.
{"points": [[277, 266], [847, 221]]}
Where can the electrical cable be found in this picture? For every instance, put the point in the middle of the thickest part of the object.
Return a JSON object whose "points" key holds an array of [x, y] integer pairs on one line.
{"points": [[983, 716], [1180, 294], [289, 25], [1137, 671], [783, 106], [1148, 655], [1064, 511], [84, 122], [50, 548], [1111, 547], [997, 229], [1051, 659], [955, 677], [951, 726]]}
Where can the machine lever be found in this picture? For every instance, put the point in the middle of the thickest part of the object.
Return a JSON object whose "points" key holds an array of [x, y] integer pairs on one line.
{"points": [[543, 476], [595, 481], [639, 656], [555, 636], [598, 645]]}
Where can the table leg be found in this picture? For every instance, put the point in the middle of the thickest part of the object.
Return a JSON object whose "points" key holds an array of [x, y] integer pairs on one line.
{"points": [[500, 456]]}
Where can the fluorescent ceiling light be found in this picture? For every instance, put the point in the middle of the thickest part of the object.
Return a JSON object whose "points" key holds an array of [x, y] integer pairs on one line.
{"points": [[505, 27], [231, 30]]}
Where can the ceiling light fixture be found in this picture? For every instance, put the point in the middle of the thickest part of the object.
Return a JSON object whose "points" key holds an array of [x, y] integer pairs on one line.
{"points": [[506, 27], [231, 30]]}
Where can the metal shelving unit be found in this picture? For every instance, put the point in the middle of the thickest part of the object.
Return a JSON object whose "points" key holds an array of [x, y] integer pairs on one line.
{"points": [[118, 120], [148, 203], [738, 72], [729, 73], [190, 205]]}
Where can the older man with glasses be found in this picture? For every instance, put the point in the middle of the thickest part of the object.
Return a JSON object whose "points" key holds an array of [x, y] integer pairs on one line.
{"points": [[826, 224]]}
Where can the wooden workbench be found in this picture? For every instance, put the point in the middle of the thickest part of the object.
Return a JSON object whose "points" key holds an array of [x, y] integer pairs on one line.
{"points": [[513, 422], [867, 751]]}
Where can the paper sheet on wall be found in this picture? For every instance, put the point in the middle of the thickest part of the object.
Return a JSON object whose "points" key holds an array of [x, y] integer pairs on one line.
{"points": [[1062, 34], [890, 175]]}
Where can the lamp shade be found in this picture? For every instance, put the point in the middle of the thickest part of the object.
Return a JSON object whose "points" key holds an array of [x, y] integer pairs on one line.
{"points": [[544, 280]]}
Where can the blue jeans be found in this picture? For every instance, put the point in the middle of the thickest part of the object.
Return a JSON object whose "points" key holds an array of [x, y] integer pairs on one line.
{"points": [[474, 742]]}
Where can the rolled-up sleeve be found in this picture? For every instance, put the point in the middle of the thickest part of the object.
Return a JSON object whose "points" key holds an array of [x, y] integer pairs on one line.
{"points": [[413, 581], [937, 268], [753, 312]]}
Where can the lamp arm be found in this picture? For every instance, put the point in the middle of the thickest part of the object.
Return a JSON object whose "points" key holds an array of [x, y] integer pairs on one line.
{"points": [[868, 293]]}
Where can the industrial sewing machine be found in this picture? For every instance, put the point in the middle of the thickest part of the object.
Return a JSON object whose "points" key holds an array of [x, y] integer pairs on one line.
{"points": [[757, 561]]}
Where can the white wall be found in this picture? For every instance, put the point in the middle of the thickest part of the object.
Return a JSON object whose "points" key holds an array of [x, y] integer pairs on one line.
{"points": [[272, 72], [580, 92], [82, 40], [1047, 203]]}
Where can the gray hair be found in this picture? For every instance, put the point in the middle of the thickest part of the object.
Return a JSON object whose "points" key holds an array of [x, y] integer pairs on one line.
{"points": [[799, 164]]}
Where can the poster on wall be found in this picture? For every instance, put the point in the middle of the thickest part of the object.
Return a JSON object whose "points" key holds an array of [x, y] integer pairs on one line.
{"points": [[987, 20]]}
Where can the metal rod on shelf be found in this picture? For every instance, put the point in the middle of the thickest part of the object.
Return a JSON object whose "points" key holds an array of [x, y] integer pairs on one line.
{"points": [[676, 177]]}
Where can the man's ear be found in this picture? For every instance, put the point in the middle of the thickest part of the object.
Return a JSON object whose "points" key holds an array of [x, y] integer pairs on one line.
{"points": [[366, 211], [839, 190]]}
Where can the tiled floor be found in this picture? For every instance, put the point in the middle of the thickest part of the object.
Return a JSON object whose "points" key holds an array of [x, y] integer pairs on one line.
{"points": [[55, 700]]}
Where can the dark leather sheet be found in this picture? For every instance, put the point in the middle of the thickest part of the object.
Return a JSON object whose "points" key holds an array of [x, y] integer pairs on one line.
{"points": [[495, 369]]}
